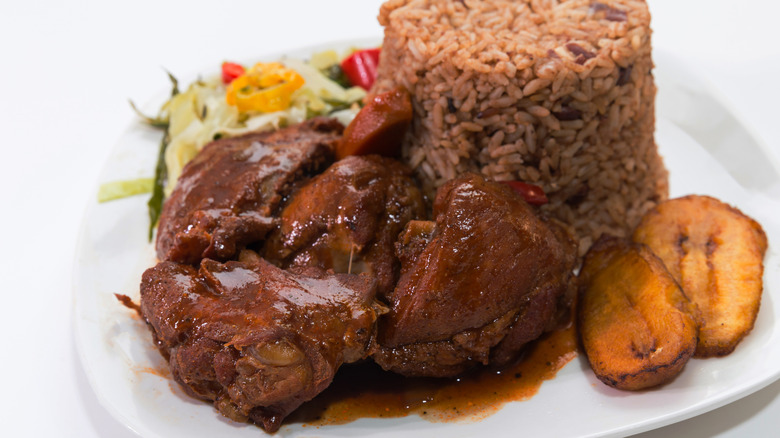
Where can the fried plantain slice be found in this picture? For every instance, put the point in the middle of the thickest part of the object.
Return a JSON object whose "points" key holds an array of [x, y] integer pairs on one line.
{"points": [[637, 326], [716, 254]]}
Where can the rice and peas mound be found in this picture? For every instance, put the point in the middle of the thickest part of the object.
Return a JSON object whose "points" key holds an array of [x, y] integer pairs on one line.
{"points": [[555, 93]]}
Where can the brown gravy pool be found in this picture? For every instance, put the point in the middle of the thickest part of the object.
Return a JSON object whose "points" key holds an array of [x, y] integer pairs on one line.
{"points": [[366, 391]]}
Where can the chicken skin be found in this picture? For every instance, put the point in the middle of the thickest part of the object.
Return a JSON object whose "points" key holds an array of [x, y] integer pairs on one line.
{"points": [[348, 218], [227, 196], [477, 284], [254, 339]]}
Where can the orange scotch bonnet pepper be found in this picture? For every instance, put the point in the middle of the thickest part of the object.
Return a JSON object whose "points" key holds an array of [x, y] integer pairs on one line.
{"points": [[266, 87]]}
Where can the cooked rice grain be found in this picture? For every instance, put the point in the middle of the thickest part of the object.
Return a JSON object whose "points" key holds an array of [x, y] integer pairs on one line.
{"points": [[558, 93]]}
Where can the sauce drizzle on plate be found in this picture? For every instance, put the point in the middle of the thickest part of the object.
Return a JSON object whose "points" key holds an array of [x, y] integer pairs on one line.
{"points": [[366, 391]]}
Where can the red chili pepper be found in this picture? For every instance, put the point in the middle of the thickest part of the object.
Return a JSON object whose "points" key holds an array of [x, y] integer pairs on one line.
{"points": [[230, 71], [532, 194], [360, 67]]}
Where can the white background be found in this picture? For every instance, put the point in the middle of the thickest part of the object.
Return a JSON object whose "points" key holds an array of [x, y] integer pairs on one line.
{"points": [[68, 69]]}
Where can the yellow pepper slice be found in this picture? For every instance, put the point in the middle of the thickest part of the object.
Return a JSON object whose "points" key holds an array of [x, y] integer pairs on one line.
{"points": [[264, 87]]}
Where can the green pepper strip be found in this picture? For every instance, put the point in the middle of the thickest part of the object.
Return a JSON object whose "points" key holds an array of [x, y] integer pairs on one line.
{"points": [[155, 203], [158, 193]]}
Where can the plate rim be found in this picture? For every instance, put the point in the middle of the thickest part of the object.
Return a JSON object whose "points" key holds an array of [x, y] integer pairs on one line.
{"points": [[78, 322]]}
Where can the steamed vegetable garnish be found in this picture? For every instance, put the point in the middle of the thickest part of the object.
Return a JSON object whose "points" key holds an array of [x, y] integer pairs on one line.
{"points": [[161, 119], [317, 82], [265, 88], [122, 189], [324, 59], [154, 206], [360, 67], [230, 71], [328, 63], [265, 97], [174, 83], [336, 74], [201, 113], [157, 121]]}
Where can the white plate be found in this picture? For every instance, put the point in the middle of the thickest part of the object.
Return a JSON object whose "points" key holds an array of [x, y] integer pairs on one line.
{"points": [[707, 151]]}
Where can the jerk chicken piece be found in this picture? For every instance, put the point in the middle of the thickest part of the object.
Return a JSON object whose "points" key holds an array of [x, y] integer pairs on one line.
{"points": [[476, 285], [348, 218], [256, 340], [227, 195]]}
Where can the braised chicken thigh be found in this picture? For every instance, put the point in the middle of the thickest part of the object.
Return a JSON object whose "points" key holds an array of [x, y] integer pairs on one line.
{"points": [[476, 285], [228, 194], [257, 340], [348, 218], [260, 336]]}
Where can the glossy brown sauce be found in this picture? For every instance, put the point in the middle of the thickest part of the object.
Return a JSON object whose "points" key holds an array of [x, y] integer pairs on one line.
{"points": [[366, 391]]}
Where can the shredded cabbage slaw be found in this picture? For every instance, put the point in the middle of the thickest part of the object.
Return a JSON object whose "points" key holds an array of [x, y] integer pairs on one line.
{"points": [[201, 114]]}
